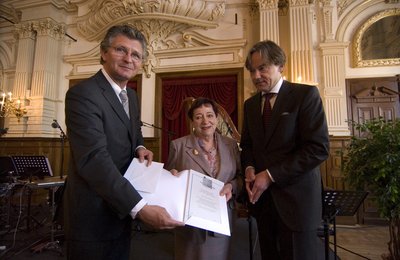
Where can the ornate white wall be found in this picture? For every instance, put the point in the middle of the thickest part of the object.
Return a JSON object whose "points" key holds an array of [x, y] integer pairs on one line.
{"points": [[38, 57]]}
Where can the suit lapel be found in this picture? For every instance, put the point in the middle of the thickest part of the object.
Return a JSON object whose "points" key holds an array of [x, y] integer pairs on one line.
{"points": [[193, 150], [112, 99], [254, 109], [277, 110]]}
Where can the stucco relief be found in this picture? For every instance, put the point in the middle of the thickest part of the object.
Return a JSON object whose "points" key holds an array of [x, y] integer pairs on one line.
{"points": [[179, 14], [342, 5], [327, 10], [168, 25]]}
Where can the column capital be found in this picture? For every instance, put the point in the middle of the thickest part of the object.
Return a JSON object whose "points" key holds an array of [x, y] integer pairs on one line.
{"points": [[48, 27], [293, 3], [24, 31], [267, 4]]}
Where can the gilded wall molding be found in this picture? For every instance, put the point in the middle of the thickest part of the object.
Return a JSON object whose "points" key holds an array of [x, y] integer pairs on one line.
{"points": [[178, 14], [358, 60]]}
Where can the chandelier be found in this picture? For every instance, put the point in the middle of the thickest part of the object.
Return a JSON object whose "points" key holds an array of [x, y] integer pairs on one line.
{"points": [[10, 106]]}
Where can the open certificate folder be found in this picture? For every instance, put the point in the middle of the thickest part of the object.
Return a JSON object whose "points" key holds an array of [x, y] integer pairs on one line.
{"points": [[192, 198]]}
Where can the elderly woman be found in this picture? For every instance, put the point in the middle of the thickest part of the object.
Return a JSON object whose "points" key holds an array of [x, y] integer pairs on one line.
{"points": [[208, 152]]}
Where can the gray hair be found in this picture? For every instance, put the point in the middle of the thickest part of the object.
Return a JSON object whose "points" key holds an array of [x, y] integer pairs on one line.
{"points": [[126, 30]]}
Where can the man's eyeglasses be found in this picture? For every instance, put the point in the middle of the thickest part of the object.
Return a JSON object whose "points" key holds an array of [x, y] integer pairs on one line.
{"points": [[121, 51]]}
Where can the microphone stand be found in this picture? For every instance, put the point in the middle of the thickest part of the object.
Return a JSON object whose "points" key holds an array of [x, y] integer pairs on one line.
{"points": [[169, 133], [63, 136]]}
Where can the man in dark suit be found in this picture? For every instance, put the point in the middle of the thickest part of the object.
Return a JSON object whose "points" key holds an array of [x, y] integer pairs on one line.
{"points": [[104, 128], [283, 143]]}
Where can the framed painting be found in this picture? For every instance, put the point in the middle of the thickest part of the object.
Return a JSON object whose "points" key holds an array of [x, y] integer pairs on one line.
{"points": [[377, 41]]}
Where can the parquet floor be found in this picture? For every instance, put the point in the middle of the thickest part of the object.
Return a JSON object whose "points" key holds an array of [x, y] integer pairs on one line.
{"points": [[370, 242]]}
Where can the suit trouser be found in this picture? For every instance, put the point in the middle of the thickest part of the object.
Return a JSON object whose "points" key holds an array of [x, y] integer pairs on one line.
{"points": [[117, 249], [277, 241]]}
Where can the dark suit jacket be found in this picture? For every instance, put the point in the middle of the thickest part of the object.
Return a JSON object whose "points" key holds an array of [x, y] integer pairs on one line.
{"points": [[292, 150], [98, 199]]}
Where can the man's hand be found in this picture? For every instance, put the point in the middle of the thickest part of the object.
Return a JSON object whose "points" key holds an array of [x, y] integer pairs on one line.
{"points": [[256, 184], [157, 217], [143, 153], [250, 177], [226, 190]]}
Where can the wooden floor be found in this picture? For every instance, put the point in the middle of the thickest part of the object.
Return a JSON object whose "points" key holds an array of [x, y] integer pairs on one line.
{"points": [[370, 242], [354, 242]]}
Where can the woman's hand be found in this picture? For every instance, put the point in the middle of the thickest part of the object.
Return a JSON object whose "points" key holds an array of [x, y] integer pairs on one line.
{"points": [[226, 191], [175, 172]]}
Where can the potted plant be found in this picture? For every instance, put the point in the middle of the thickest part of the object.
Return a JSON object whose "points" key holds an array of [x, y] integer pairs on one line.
{"points": [[373, 164]]}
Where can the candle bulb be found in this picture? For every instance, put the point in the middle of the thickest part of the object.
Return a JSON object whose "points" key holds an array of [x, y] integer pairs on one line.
{"points": [[2, 101]]}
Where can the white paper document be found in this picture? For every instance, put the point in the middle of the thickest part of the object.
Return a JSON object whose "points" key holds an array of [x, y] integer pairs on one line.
{"points": [[192, 198], [144, 178]]}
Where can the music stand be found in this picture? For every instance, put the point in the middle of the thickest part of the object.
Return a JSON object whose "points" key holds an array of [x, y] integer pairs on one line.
{"points": [[339, 203], [32, 165], [52, 184]]}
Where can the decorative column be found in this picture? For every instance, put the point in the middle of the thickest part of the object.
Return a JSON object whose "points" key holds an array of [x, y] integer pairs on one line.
{"points": [[148, 98], [333, 87], [301, 64], [333, 81], [45, 76], [269, 23], [26, 36]]}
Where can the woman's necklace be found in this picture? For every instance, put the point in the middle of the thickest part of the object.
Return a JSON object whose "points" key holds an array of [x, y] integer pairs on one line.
{"points": [[211, 155]]}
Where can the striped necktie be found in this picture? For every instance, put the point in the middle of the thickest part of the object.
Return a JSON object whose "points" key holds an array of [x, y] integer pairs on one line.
{"points": [[124, 99]]}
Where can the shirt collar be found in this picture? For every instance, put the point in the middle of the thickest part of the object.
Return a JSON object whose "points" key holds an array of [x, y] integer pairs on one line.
{"points": [[276, 88], [117, 89]]}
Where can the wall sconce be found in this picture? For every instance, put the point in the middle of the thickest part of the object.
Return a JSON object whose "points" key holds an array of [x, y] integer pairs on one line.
{"points": [[11, 107]]}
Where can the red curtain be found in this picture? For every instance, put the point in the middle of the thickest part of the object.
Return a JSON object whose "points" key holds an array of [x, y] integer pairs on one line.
{"points": [[133, 85], [222, 89]]}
